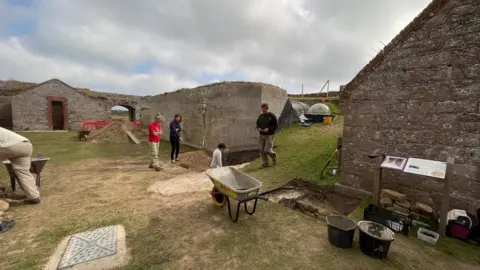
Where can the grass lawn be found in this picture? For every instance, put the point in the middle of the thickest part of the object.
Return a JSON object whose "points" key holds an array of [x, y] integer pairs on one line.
{"points": [[90, 185], [302, 152]]}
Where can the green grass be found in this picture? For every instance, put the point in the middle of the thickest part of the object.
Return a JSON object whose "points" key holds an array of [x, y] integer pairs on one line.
{"points": [[302, 153], [64, 148], [334, 108]]}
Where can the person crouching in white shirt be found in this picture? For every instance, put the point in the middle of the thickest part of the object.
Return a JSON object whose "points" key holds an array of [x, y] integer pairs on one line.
{"points": [[217, 156], [18, 150]]}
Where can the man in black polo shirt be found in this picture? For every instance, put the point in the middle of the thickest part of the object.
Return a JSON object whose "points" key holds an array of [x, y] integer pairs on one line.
{"points": [[267, 124]]}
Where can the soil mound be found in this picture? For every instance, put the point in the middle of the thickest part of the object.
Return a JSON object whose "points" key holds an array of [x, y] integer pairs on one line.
{"points": [[197, 160], [115, 131]]}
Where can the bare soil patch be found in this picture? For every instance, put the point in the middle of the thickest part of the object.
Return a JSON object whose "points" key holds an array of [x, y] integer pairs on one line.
{"points": [[314, 200], [198, 161], [184, 183]]}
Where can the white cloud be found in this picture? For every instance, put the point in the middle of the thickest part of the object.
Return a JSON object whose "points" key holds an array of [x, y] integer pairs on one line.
{"points": [[97, 44], [28, 66]]}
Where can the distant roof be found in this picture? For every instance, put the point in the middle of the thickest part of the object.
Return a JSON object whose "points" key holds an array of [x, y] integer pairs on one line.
{"points": [[222, 83], [13, 88], [423, 18]]}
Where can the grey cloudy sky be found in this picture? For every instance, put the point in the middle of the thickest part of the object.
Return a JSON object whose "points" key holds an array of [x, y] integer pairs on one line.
{"points": [[156, 46]]}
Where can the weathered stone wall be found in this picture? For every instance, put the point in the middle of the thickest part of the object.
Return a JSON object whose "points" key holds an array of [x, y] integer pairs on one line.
{"points": [[422, 100], [223, 112], [6, 112], [30, 109]]}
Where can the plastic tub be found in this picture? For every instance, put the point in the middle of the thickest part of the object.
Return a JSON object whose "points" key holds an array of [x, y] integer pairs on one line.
{"points": [[340, 231], [375, 239], [327, 120], [396, 222], [427, 236]]}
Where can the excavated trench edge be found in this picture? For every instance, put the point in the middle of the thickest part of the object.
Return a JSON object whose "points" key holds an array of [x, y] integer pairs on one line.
{"points": [[314, 200], [240, 157]]}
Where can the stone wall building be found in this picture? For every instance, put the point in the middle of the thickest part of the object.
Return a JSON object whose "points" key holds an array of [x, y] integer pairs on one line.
{"points": [[8, 89], [55, 105], [220, 112], [420, 97]]}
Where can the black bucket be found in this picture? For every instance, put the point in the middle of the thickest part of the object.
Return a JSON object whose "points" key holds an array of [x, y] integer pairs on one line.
{"points": [[341, 231], [375, 239]]}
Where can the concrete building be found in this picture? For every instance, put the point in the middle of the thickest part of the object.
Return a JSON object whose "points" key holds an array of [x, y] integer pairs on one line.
{"points": [[420, 97], [220, 112]]}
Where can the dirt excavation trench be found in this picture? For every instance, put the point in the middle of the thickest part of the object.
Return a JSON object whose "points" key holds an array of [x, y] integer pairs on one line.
{"points": [[313, 200]]}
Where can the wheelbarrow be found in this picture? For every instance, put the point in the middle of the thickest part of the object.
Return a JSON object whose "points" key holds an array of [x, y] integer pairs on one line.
{"points": [[83, 134], [230, 183], [36, 167]]}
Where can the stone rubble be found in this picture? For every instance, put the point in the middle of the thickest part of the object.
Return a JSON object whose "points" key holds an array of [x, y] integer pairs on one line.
{"points": [[405, 204], [397, 202], [394, 195]]}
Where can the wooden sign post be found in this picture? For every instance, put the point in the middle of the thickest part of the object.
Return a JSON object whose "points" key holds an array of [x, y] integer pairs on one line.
{"points": [[377, 177], [446, 197], [430, 168]]}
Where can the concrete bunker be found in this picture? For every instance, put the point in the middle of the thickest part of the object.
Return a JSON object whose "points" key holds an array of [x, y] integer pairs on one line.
{"points": [[220, 113]]}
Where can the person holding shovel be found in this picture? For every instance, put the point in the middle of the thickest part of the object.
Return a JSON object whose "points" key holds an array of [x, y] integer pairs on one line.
{"points": [[18, 150], [154, 133]]}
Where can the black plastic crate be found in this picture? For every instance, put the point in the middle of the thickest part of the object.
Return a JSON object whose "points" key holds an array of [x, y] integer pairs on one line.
{"points": [[395, 221]]}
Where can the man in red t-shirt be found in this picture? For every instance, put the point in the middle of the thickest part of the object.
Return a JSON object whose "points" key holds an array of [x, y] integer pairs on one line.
{"points": [[154, 133]]}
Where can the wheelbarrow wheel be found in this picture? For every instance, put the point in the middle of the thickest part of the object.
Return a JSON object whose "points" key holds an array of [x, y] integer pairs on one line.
{"points": [[218, 199]]}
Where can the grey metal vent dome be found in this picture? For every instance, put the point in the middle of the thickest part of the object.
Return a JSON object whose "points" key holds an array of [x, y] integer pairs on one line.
{"points": [[300, 107], [319, 109]]}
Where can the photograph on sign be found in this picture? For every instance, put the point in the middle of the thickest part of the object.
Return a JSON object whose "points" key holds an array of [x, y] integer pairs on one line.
{"points": [[426, 167], [395, 163]]}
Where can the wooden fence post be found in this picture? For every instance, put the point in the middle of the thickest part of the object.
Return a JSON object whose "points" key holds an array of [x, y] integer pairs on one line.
{"points": [[377, 176]]}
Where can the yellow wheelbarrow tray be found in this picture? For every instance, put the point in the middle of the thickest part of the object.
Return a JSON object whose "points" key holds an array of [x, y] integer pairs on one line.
{"points": [[230, 183]]}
